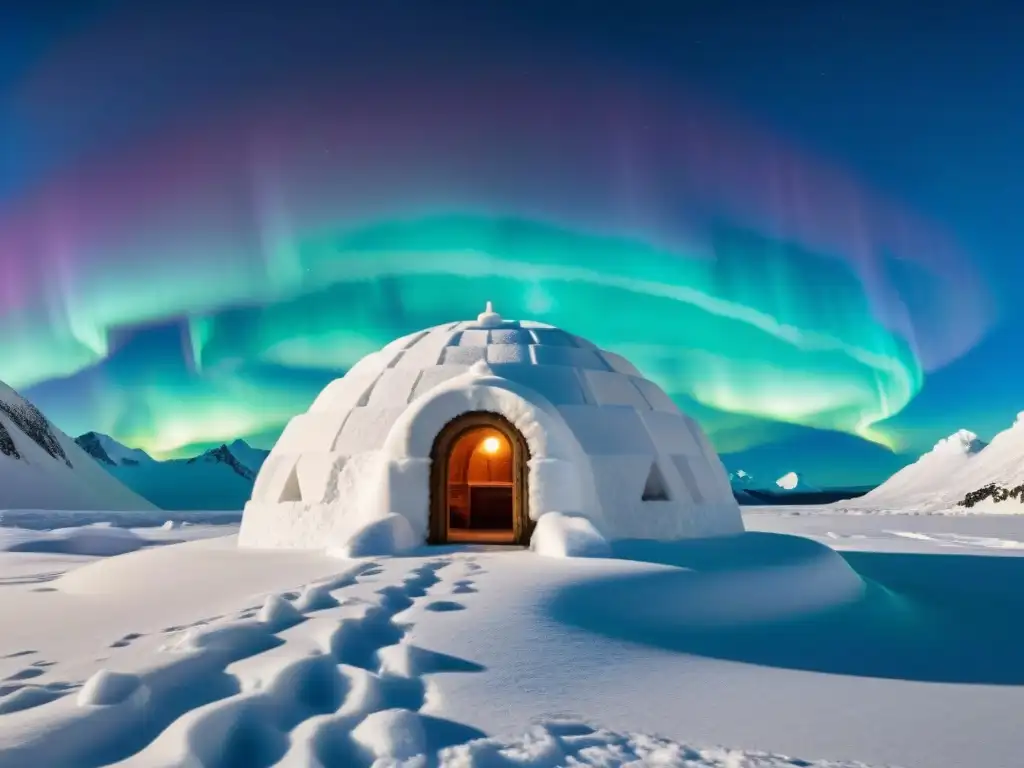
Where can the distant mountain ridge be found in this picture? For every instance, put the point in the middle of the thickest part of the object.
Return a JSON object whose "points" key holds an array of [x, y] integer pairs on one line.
{"points": [[107, 450], [788, 489], [42, 468], [220, 478]]}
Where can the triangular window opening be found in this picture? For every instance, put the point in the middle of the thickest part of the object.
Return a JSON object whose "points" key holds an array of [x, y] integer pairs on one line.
{"points": [[655, 488], [291, 490]]}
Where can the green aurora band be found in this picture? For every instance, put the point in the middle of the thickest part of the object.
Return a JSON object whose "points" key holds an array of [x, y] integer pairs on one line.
{"points": [[761, 330], [743, 331]]}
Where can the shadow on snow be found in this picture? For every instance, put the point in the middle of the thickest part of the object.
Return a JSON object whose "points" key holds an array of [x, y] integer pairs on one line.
{"points": [[934, 618]]}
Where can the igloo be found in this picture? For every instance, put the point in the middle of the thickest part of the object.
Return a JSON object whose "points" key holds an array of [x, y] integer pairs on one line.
{"points": [[490, 430]]}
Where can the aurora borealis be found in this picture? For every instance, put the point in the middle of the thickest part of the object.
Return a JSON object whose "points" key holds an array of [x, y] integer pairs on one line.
{"points": [[194, 244]]}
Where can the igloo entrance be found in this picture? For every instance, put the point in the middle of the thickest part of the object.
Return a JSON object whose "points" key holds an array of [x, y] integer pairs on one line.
{"points": [[478, 482]]}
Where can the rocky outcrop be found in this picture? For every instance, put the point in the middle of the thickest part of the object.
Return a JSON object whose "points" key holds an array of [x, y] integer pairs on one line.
{"points": [[29, 420], [7, 446], [993, 492], [90, 443], [223, 455]]}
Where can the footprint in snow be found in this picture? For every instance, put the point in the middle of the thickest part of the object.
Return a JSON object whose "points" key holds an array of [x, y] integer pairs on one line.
{"points": [[16, 654], [25, 674], [126, 640], [443, 606], [200, 623]]}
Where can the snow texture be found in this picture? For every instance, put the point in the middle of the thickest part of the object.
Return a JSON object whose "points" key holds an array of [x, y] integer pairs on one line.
{"points": [[597, 433], [42, 468], [397, 661]]}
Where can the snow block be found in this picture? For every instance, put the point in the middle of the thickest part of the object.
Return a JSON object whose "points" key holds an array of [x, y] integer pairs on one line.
{"points": [[344, 394], [553, 484], [608, 430], [561, 386], [516, 336], [366, 428], [612, 388], [619, 364], [431, 377], [317, 475], [395, 385], [508, 353], [291, 525], [655, 395], [568, 356], [401, 491], [551, 337]]}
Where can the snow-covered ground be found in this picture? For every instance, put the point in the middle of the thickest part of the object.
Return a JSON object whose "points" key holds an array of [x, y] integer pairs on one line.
{"points": [[770, 643]]}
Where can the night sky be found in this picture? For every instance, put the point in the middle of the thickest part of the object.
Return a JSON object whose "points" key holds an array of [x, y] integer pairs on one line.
{"points": [[801, 219]]}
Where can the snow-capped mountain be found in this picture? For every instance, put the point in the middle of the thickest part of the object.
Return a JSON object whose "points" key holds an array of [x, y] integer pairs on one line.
{"points": [[961, 471], [222, 454], [993, 478], [741, 479], [742, 482], [247, 456], [926, 477], [220, 478], [42, 468], [107, 450], [791, 482]]}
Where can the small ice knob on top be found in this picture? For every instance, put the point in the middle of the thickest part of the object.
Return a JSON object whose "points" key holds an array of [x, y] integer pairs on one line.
{"points": [[489, 317]]}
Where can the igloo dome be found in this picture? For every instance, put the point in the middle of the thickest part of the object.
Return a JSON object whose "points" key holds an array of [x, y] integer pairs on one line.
{"points": [[490, 430]]}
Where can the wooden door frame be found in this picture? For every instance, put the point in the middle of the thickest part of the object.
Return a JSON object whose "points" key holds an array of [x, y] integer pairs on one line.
{"points": [[440, 454]]}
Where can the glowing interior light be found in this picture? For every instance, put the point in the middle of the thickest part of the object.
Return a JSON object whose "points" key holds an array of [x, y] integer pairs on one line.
{"points": [[491, 445]]}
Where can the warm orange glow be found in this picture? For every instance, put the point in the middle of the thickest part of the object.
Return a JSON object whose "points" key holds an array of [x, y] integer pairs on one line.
{"points": [[491, 445]]}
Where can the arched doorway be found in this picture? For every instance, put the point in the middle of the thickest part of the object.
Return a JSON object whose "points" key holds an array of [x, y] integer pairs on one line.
{"points": [[478, 482]]}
